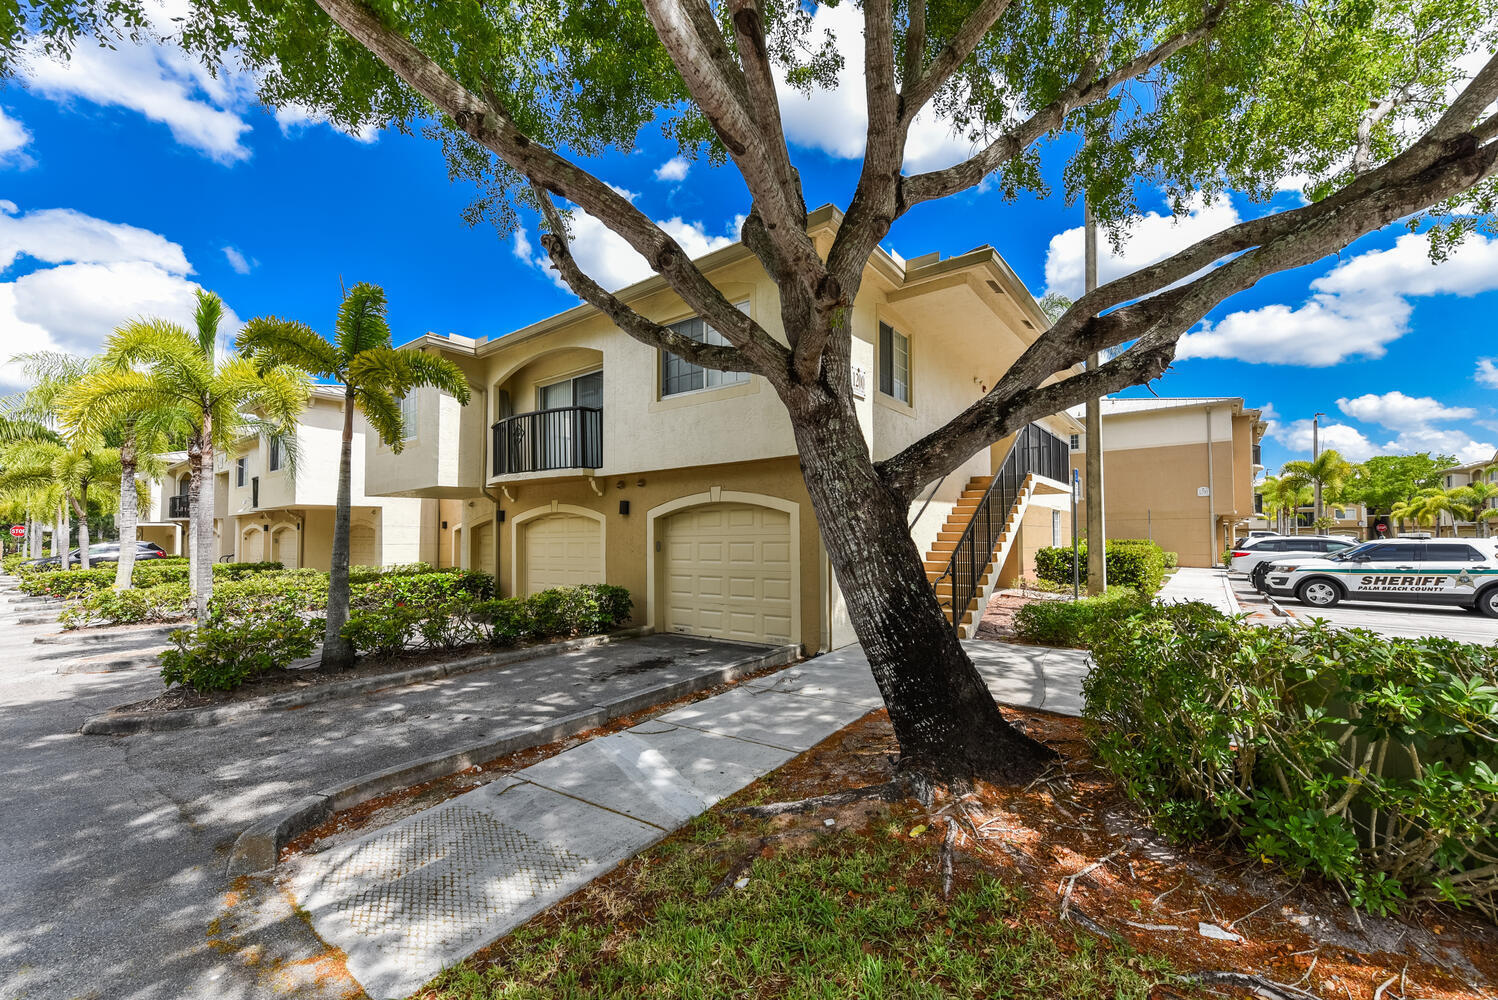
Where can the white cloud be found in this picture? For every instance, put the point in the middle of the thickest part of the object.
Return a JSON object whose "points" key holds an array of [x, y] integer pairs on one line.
{"points": [[96, 275], [1152, 238], [1347, 440], [836, 120], [13, 139], [238, 261], [674, 169], [1399, 412], [293, 118], [158, 81], [1357, 308], [604, 255], [1486, 373]]}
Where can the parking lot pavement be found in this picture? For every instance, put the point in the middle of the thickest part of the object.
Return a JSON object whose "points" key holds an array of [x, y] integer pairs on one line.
{"points": [[1392, 620]]}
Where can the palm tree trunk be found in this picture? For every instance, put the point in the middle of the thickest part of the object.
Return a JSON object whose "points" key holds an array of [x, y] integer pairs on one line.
{"points": [[338, 652], [34, 538], [80, 507], [60, 531], [200, 504], [129, 514]]}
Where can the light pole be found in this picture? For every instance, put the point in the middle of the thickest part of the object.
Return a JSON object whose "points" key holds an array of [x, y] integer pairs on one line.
{"points": [[1316, 482], [1097, 543]]}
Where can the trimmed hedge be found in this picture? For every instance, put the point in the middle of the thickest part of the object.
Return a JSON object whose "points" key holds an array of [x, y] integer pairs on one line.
{"points": [[65, 583], [1071, 623], [224, 651], [1136, 563], [1371, 762], [162, 603]]}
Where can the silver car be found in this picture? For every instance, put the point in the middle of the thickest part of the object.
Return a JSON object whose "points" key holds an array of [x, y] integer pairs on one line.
{"points": [[1254, 556]]}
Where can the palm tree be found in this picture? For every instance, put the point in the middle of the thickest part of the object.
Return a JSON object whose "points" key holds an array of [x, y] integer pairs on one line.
{"points": [[1424, 508], [37, 507], [375, 376], [105, 398], [186, 372], [1285, 497], [1329, 470], [1476, 499]]}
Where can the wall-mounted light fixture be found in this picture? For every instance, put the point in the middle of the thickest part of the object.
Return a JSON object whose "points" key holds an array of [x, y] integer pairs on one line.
{"points": [[624, 506]]}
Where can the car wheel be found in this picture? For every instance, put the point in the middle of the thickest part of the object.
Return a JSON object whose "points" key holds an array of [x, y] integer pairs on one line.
{"points": [[1258, 576], [1487, 602], [1319, 593]]}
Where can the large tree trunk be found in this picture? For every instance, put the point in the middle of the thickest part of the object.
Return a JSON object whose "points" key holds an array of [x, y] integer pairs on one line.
{"points": [[34, 539], [943, 714], [338, 652], [129, 515]]}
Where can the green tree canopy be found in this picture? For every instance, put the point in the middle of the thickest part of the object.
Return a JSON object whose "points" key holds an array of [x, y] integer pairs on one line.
{"points": [[1388, 479]]}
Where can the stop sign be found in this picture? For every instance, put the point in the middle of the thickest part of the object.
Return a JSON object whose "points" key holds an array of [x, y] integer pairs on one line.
{"points": [[17, 531]]}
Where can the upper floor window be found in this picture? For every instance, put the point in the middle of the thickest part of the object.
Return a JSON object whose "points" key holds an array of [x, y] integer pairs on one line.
{"points": [[580, 390], [1076, 442], [408, 416], [679, 375], [239, 470], [1448, 481], [274, 462], [894, 363]]}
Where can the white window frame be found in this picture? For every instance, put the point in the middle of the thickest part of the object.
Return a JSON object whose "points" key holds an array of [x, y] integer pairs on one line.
{"points": [[711, 377], [273, 461], [1055, 529], [569, 379], [1074, 442], [899, 344], [408, 420], [241, 470]]}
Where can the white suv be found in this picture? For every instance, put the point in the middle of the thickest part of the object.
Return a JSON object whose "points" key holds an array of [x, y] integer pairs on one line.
{"points": [[1253, 557], [1450, 571]]}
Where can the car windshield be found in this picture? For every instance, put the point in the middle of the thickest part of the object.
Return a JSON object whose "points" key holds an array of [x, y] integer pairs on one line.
{"points": [[1352, 553]]}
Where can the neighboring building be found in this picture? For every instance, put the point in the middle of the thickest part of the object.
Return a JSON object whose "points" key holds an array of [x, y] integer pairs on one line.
{"points": [[586, 456], [155, 524], [274, 503], [1179, 471], [1462, 475]]}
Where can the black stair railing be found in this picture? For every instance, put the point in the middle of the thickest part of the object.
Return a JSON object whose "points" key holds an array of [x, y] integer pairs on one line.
{"points": [[569, 437], [1035, 450]]}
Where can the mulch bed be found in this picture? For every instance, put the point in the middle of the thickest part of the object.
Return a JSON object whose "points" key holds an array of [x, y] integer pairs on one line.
{"points": [[997, 623], [1093, 873]]}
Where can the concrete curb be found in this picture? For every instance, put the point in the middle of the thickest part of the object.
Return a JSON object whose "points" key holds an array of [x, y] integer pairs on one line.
{"points": [[258, 848], [89, 637]]}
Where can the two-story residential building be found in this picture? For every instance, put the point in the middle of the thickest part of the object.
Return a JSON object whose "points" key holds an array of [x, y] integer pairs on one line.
{"points": [[277, 503], [1178, 470], [586, 456], [1458, 476]]}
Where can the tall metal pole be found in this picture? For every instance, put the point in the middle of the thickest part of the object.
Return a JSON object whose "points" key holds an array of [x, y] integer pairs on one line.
{"points": [[1097, 542], [1315, 454]]}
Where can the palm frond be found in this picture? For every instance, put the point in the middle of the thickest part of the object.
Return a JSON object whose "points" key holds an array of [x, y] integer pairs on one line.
{"points": [[384, 415], [206, 318], [269, 342], [361, 322]]}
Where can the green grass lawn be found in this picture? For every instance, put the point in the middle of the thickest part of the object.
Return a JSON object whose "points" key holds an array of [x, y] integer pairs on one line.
{"points": [[828, 916]]}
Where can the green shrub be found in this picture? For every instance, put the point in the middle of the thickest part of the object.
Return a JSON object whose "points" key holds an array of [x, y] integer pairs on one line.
{"points": [[1172, 560], [400, 588], [509, 620], [1070, 623], [12, 563], [224, 651], [306, 588], [1137, 563], [1372, 762], [162, 603], [65, 583]]}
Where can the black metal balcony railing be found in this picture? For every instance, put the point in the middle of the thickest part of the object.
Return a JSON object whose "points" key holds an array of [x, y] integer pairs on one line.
{"points": [[1035, 450], [569, 437], [176, 507]]}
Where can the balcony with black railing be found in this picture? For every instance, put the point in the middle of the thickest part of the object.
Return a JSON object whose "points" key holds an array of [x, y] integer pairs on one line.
{"points": [[177, 508], [569, 437]]}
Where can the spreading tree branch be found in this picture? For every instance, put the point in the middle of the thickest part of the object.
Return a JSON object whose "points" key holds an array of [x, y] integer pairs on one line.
{"points": [[1438, 166], [487, 122], [644, 330], [951, 57]]}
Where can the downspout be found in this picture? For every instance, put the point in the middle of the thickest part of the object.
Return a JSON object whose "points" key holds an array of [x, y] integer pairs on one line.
{"points": [[1212, 550], [497, 529]]}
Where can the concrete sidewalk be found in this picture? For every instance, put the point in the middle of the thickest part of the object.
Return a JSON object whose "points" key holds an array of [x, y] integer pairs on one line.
{"points": [[408, 899], [1207, 584]]}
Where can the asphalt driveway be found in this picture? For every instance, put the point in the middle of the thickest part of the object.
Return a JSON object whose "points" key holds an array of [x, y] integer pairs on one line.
{"points": [[113, 849]]}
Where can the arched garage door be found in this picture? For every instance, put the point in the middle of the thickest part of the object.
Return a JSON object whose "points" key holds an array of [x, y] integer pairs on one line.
{"points": [[284, 547], [728, 572], [561, 550], [250, 548]]}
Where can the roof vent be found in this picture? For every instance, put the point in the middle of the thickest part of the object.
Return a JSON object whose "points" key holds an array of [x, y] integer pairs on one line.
{"points": [[1028, 324], [995, 286]]}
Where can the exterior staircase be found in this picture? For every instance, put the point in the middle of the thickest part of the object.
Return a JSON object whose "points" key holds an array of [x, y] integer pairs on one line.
{"points": [[938, 560]]}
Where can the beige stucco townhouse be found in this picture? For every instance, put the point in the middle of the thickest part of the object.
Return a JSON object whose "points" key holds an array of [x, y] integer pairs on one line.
{"points": [[586, 456], [277, 503]]}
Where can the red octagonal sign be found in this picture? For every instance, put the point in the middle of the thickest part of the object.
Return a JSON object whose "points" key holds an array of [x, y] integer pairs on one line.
{"points": [[18, 530]]}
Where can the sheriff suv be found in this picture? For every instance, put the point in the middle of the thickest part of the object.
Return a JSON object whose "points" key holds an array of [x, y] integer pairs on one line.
{"points": [[1449, 571]]}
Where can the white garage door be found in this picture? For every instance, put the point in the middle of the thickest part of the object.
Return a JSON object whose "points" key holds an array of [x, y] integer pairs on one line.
{"points": [[728, 573], [250, 549], [284, 547], [562, 550]]}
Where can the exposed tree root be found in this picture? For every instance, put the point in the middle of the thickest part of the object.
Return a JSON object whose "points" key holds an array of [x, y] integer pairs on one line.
{"points": [[889, 791], [1260, 986]]}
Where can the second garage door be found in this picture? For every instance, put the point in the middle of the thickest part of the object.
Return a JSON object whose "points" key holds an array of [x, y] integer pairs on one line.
{"points": [[562, 550], [728, 573]]}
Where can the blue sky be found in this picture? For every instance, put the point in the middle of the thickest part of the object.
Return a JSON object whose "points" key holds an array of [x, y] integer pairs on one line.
{"points": [[131, 177]]}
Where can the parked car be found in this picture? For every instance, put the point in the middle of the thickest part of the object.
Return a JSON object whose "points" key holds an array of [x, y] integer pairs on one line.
{"points": [[105, 553], [1253, 557], [1239, 542], [1451, 572]]}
